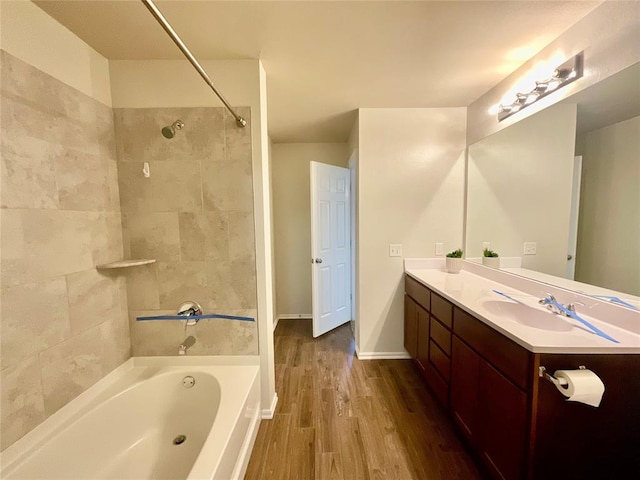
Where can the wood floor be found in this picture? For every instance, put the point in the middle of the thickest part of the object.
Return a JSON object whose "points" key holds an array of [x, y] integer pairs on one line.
{"points": [[339, 418]]}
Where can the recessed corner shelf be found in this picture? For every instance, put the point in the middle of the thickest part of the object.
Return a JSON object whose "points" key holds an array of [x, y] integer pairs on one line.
{"points": [[126, 263]]}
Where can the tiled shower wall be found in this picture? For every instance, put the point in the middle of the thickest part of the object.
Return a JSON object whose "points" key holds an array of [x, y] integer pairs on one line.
{"points": [[64, 324], [194, 215]]}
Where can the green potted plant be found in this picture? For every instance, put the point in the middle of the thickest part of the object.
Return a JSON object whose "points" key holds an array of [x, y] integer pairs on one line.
{"points": [[454, 261], [490, 258]]}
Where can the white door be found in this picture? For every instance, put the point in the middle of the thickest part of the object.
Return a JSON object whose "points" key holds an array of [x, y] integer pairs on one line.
{"points": [[573, 219], [330, 247]]}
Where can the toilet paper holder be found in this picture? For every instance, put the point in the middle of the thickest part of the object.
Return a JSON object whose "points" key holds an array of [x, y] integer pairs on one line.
{"points": [[542, 372]]}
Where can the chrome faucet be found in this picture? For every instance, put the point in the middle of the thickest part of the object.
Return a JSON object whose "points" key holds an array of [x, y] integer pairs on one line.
{"points": [[551, 303], [186, 343]]}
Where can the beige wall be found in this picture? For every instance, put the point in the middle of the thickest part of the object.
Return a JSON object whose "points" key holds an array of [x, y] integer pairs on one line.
{"points": [[30, 34], [610, 39], [514, 191], [410, 191], [292, 219], [608, 251], [194, 215], [64, 324]]}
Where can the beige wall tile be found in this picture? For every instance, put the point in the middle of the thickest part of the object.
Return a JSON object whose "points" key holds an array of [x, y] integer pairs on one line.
{"points": [[142, 287], [70, 367], [135, 189], [116, 343], [112, 182], [231, 286], [176, 186], [153, 235], [83, 182], [204, 235], [22, 400], [155, 337], [28, 173], [35, 316], [227, 186], [60, 190], [139, 134], [93, 298], [106, 237], [224, 337], [241, 236], [55, 243], [12, 244], [234, 134], [181, 282], [25, 120]]}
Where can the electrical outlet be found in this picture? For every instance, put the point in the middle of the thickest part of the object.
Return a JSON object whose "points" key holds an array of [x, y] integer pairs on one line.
{"points": [[530, 248], [395, 250], [439, 249], [486, 245]]}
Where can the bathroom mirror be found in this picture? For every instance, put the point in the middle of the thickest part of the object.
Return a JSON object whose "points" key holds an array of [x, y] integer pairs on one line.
{"points": [[564, 186]]}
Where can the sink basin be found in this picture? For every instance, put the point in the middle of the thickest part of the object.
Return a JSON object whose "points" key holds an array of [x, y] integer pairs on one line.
{"points": [[529, 316]]}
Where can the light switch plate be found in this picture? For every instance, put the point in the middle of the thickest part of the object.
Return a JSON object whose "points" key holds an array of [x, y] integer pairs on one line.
{"points": [[530, 248], [439, 249], [395, 249]]}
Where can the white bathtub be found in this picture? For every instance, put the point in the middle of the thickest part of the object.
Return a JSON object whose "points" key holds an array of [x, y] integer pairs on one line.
{"points": [[125, 426]]}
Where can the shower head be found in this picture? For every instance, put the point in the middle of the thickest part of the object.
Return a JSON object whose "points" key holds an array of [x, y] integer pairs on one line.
{"points": [[170, 131]]}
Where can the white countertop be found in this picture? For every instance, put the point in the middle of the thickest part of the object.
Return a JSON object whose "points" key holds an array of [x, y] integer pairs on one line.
{"points": [[537, 329]]}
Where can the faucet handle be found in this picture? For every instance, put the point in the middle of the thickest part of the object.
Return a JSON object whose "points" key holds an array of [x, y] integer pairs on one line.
{"points": [[547, 300], [572, 306]]}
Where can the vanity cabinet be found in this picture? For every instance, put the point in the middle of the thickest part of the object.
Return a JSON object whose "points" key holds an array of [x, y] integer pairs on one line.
{"points": [[427, 336], [489, 409], [517, 423]]}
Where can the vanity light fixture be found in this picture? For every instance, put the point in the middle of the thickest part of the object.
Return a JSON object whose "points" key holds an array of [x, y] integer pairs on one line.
{"points": [[564, 74]]}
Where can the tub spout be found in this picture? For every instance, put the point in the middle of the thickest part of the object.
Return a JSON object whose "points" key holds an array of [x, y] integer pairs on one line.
{"points": [[186, 343]]}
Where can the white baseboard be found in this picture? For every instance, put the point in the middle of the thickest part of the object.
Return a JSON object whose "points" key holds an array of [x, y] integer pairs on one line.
{"points": [[247, 447], [267, 413], [382, 355], [291, 316]]}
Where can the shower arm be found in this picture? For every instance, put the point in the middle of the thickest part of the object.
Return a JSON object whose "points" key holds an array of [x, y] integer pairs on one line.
{"points": [[183, 48]]}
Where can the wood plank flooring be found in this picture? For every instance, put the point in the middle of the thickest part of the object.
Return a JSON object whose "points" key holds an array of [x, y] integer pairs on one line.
{"points": [[339, 418]]}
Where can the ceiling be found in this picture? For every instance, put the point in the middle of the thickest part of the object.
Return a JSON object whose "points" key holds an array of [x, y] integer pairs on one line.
{"points": [[324, 59]]}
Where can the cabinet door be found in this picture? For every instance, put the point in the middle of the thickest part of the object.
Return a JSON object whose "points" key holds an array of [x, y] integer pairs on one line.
{"points": [[465, 377], [502, 423], [410, 326], [423, 337]]}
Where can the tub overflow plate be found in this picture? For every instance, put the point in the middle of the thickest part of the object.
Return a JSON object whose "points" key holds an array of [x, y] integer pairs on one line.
{"points": [[188, 381], [179, 440]]}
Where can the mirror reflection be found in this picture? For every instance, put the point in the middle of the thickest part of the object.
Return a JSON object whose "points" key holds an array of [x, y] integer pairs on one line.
{"points": [[557, 195]]}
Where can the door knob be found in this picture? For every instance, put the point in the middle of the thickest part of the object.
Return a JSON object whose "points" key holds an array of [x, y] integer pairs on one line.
{"points": [[318, 260]]}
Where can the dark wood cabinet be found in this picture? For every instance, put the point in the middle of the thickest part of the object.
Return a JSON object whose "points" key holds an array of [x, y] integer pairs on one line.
{"points": [[465, 379], [410, 326], [431, 336], [422, 356], [502, 423], [518, 424]]}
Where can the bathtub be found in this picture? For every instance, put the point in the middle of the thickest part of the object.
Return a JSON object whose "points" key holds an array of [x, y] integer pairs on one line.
{"points": [[152, 418]]}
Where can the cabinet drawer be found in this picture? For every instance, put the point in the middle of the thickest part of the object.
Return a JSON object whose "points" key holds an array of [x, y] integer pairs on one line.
{"points": [[441, 335], [418, 292], [438, 386], [504, 354], [440, 360], [441, 309]]}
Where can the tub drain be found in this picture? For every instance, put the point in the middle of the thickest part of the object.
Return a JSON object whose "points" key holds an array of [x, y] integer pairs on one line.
{"points": [[179, 440]]}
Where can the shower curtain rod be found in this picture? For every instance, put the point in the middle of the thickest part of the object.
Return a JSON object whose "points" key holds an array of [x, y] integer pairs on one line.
{"points": [[178, 41]]}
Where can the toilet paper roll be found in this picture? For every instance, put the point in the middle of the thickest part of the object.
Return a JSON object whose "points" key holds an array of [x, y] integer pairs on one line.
{"points": [[582, 386]]}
